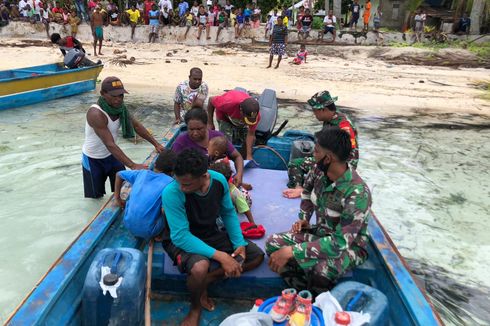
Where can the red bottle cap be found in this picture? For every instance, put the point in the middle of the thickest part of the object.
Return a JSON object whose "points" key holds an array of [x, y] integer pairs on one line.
{"points": [[342, 318], [258, 302]]}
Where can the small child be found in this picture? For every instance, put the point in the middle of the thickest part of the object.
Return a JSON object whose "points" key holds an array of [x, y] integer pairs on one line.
{"points": [[189, 21], [301, 55], [222, 21], [240, 197], [217, 151], [240, 23], [74, 21], [268, 26], [143, 210]]}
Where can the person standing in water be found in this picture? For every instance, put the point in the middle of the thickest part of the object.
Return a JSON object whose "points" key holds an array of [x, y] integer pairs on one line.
{"points": [[102, 157], [97, 23]]}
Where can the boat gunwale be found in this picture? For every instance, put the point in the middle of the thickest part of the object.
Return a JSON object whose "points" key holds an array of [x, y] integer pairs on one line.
{"points": [[376, 246], [58, 260], [50, 74]]}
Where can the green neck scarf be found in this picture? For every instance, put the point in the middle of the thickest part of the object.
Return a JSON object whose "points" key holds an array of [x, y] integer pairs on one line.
{"points": [[122, 113]]}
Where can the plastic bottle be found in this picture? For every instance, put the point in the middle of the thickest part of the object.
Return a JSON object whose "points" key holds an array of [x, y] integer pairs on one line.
{"points": [[342, 318], [257, 304]]}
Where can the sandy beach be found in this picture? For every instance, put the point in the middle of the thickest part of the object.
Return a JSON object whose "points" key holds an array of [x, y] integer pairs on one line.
{"points": [[368, 85], [423, 179]]}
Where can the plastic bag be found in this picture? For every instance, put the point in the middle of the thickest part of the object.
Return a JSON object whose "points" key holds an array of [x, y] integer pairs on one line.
{"points": [[248, 319], [329, 305]]}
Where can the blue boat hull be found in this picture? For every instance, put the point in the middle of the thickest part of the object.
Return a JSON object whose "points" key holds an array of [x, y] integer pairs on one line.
{"points": [[56, 299], [20, 87], [46, 94]]}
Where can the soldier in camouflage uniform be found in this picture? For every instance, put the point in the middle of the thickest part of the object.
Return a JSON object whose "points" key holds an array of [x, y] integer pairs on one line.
{"points": [[323, 106], [314, 256]]}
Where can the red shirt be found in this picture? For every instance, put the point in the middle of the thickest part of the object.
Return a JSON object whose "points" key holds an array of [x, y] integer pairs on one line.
{"points": [[228, 107], [57, 10], [70, 43], [148, 6]]}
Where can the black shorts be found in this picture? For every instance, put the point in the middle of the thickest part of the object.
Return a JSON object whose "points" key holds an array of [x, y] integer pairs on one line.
{"points": [[95, 173], [220, 241], [328, 29]]}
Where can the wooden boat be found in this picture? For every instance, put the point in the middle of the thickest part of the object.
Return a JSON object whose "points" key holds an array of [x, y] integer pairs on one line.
{"points": [[19, 87], [56, 298]]}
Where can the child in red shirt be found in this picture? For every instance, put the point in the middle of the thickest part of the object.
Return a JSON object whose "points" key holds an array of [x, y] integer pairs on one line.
{"points": [[301, 55]]}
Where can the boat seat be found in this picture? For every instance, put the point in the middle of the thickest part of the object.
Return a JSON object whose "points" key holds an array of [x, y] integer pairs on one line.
{"points": [[276, 214], [273, 211]]}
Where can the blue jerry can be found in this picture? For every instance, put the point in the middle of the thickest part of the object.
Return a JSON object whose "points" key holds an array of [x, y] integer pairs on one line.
{"points": [[355, 296], [121, 272]]}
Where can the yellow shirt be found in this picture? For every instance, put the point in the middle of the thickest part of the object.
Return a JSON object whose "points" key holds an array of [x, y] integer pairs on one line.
{"points": [[189, 17], [285, 20], [232, 19], [134, 16]]}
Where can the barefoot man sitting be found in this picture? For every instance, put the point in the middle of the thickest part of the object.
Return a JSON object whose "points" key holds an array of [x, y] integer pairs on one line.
{"points": [[192, 204]]}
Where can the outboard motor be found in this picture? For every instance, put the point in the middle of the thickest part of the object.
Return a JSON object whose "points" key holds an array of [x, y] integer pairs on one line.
{"points": [[73, 58], [268, 116], [301, 148]]}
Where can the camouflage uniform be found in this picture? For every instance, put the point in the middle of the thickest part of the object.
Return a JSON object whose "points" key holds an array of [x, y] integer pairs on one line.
{"points": [[337, 243], [299, 168], [236, 132]]}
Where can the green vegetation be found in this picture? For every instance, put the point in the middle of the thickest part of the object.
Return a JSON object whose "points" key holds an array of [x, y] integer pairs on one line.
{"points": [[317, 23], [218, 52], [483, 85], [481, 50]]}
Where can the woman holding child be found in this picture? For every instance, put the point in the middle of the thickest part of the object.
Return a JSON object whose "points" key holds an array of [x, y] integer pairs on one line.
{"points": [[198, 137]]}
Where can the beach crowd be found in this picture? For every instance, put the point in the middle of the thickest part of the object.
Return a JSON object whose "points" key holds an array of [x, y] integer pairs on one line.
{"points": [[181, 13]]}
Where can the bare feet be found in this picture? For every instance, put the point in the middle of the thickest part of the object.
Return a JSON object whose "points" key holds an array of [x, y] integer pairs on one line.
{"points": [[208, 38], [292, 193], [268, 66], [247, 186], [100, 53], [207, 303], [192, 318], [158, 238], [276, 67]]}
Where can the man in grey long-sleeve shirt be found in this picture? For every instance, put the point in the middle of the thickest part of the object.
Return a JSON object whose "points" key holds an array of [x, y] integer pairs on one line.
{"points": [[192, 204]]}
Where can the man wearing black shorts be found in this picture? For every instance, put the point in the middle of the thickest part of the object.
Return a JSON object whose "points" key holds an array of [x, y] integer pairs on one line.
{"points": [[102, 158], [355, 8], [192, 205]]}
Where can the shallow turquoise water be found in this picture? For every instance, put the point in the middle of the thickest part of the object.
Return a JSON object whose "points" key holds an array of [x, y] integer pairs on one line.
{"points": [[41, 197], [430, 187]]}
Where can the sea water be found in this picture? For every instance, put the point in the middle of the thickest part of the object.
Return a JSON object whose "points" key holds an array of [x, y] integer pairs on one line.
{"points": [[429, 181]]}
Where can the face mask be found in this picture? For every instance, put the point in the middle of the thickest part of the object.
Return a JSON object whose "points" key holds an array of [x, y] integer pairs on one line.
{"points": [[322, 166]]}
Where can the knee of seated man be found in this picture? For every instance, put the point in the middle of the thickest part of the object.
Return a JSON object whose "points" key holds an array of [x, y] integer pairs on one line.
{"points": [[271, 244], [200, 269]]}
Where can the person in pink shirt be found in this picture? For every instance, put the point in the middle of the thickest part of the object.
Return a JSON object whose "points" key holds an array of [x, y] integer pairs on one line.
{"points": [[238, 116]]}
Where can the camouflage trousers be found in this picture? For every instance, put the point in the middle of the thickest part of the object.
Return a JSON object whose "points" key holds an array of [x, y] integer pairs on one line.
{"points": [[317, 272], [235, 134], [298, 169]]}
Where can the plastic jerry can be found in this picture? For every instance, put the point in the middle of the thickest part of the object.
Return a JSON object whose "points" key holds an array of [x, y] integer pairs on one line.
{"points": [[302, 148], [355, 296], [114, 289]]}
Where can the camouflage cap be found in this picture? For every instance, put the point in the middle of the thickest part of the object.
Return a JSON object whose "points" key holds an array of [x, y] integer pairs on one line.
{"points": [[321, 99]]}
